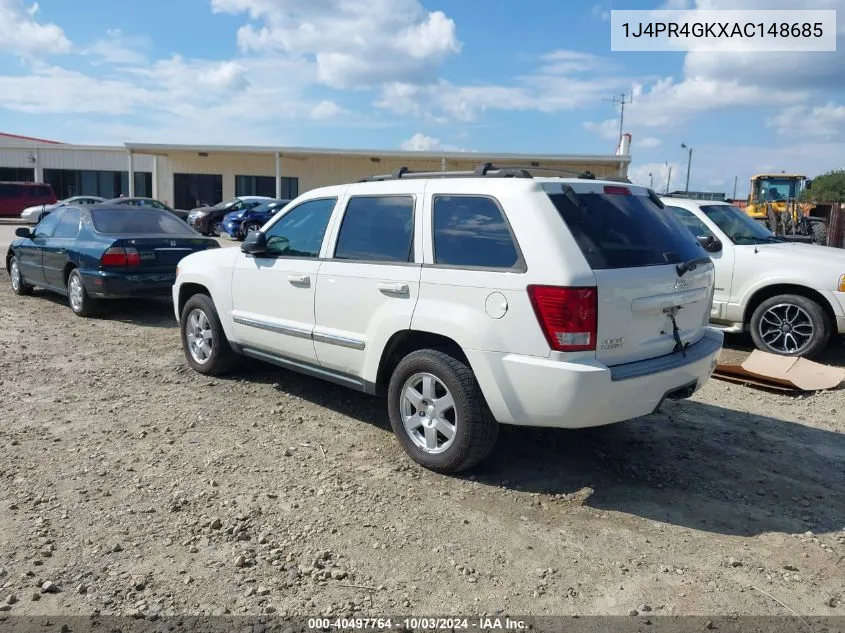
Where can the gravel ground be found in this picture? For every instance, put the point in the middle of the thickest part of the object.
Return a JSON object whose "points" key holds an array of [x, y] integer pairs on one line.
{"points": [[131, 485]]}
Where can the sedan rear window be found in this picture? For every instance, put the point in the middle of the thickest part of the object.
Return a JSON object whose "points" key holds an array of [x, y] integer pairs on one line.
{"points": [[622, 230], [138, 221]]}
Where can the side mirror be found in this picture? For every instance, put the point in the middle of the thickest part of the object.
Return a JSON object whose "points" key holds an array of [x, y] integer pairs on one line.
{"points": [[808, 184], [23, 232], [710, 243], [255, 243]]}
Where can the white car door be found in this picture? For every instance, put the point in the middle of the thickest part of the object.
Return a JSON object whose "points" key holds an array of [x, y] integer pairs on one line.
{"points": [[368, 286], [723, 260], [273, 294]]}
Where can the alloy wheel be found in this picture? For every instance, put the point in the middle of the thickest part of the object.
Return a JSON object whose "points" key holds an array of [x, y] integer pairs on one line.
{"points": [[428, 413], [786, 328], [199, 336]]}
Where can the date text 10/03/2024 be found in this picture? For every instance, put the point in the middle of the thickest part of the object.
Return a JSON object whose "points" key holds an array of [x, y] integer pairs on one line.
{"points": [[422, 623]]}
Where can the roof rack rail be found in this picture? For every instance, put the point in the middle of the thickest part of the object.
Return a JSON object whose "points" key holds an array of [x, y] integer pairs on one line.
{"points": [[586, 175], [485, 170]]}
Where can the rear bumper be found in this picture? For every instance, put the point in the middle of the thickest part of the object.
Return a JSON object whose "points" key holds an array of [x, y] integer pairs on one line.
{"points": [[533, 391], [109, 285]]}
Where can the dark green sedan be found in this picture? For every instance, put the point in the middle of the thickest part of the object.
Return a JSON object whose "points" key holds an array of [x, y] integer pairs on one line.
{"points": [[91, 253]]}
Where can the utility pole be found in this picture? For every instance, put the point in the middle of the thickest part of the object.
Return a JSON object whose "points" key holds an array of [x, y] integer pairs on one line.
{"points": [[735, 179], [668, 178], [621, 100], [650, 180], [689, 164]]}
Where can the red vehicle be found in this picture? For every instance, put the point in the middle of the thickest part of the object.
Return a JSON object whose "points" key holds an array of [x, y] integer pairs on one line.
{"points": [[17, 196]]}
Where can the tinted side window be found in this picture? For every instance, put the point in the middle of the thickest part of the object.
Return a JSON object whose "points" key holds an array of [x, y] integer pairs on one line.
{"points": [[46, 227], [69, 224], [377, 228], [10, 191], [693, 224], [300, 232], [472, 231]]}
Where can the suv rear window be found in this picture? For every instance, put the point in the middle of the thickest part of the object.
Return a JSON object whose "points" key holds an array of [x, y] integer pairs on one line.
{"points": [[621, 230], [138, 221]]}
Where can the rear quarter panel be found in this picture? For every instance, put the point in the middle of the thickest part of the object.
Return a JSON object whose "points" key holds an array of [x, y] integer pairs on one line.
{"points": [[462, 303]]}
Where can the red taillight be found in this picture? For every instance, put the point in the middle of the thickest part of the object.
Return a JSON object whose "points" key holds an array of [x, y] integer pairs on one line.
{"points": [[567, 316], [613, 190], [119, 256]]}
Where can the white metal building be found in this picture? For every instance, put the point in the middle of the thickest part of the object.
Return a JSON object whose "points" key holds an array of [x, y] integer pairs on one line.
{"points": [[184, 176]]}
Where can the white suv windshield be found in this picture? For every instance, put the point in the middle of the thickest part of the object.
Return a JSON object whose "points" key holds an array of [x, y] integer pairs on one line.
{"points": [[739, 227]]}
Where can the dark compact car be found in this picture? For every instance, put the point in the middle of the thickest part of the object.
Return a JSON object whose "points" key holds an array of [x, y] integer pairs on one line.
{"points": [[238, 224], [138, 201], [206, 220], [102, 251]]}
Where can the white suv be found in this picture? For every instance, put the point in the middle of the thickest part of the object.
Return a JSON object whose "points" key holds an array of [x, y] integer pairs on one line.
{"points": [[469, 299], [791, 296]]}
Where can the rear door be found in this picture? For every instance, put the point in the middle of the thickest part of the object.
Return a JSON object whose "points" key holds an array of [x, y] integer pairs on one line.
{"points": [[368, 287], [646, 302]]}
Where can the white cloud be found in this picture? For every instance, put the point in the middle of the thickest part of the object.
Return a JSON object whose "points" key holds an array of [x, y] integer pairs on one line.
{"points": [[21, 34], [824, 122], [565, 62], [656, 175], [649, 142], [420, 142], [326, 110], [600, 12], [119, 49], [355, 43]]}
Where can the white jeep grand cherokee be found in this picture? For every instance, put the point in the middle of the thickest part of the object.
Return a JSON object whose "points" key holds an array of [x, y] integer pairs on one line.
{"points": [[469, 299]]}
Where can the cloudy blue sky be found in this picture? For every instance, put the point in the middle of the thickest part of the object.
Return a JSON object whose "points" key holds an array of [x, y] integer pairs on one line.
{"points": [[416, 74]]}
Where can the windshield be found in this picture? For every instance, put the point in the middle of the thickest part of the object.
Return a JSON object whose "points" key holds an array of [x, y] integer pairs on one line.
{"points": [[135, 221], [740, 228], [772, 189], [226, 204]]}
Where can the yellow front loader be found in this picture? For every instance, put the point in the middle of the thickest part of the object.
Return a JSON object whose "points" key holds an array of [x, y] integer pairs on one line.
{"points": [[774, 201]]}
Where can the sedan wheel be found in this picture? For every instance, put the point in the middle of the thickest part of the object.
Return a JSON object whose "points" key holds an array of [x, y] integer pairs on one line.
{"points": [[19, 286], [80, 302]]}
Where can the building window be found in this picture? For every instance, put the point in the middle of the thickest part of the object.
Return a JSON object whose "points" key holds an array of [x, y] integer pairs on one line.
{"points": [[106, 184], [266, 186], [17, 174], [194, 190]]}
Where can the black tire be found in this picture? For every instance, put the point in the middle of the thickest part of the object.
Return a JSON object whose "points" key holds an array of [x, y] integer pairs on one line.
{"points": [[475, 429], [19, 285], [80, 302], [819, 230], [221, 358], [246, 228], [815, 315]]}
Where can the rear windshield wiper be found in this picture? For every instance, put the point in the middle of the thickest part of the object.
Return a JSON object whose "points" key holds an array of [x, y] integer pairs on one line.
{"points": [[685, 267]]}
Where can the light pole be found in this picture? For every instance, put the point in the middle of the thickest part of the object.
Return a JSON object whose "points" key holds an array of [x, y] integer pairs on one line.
{"points": [[650, 180], [668, 177], [689, 164]]}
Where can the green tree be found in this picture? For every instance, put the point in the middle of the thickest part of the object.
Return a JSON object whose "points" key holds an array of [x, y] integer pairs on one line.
{"points": [[829, 187]]}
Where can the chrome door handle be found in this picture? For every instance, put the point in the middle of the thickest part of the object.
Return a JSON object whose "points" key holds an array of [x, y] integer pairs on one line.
{"points": [[393, 287], [299, 279]]}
